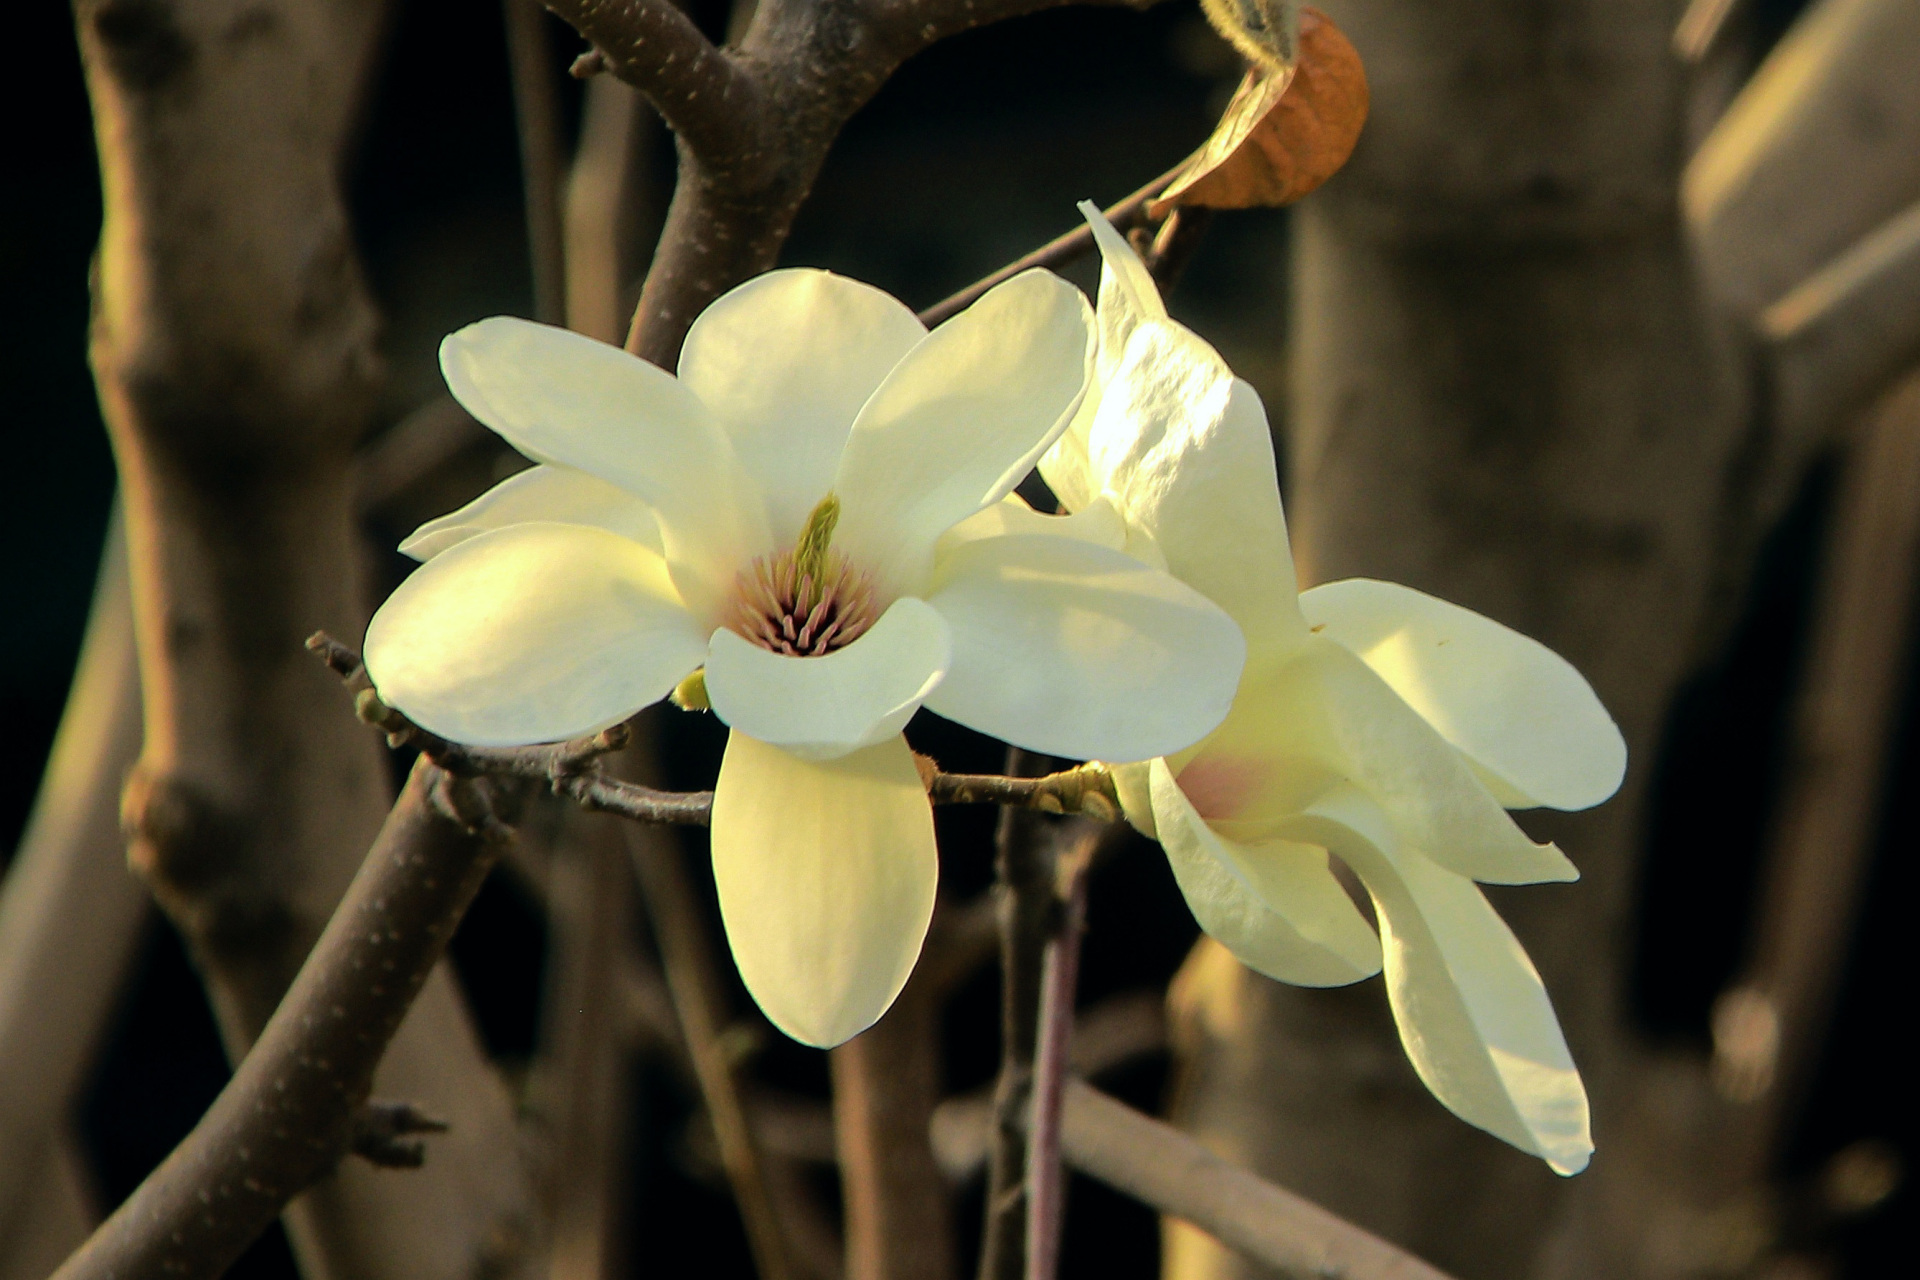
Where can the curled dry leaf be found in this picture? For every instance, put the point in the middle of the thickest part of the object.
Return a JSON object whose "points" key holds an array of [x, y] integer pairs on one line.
{"points": [[1284, 133]]}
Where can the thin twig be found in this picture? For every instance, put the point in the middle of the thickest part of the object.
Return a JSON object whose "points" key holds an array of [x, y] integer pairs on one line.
{"points": [[687, 952], [1154, 1162], [536, 105], [1056, 252], [573, 768], [1059, 981], [1175, 244], [1023, 892], [294, 1107]]}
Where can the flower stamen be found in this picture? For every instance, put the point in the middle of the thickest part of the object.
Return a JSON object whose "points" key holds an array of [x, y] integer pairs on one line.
{"points": [[807, 602]]}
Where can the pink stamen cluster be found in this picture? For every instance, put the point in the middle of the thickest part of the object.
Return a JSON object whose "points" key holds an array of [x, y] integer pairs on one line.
{"points": [[782, 609]]}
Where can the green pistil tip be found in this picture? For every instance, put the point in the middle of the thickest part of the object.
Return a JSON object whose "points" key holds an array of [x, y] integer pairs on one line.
{"points": [[810, 553]]}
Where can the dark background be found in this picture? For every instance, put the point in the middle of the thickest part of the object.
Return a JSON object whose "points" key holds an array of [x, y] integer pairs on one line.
{"points": [[972, 155]]}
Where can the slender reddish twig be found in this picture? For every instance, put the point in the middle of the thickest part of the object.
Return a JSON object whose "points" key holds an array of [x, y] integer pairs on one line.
{"points": [[1059, 980]]}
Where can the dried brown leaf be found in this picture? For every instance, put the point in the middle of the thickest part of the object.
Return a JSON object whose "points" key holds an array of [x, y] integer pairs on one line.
{"points": [[1283, 134]]}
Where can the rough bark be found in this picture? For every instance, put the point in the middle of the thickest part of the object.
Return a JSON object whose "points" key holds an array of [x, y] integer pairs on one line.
{"points": [[233, 344], [1506, 393]]}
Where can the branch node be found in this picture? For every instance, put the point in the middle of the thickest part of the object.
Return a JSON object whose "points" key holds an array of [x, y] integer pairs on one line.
{"points": [[588, 65]]}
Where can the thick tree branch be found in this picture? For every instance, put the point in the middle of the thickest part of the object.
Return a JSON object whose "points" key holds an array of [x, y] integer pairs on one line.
{"points": [[293, 1108], [754, 123], [703, 93], [234, 342]]}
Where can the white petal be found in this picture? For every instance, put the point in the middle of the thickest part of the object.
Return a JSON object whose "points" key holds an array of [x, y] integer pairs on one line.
{"points": [[1360, 728], [826, 873], [960, 421], [532, 633], [1097, 523], [553, 494], [1128, 296], [1072, 649], [828, 706], [785, 361], [1184, 451], [1519, 711], [1275, 905], [561, 397], [1473, 1015], [1133, 783]]}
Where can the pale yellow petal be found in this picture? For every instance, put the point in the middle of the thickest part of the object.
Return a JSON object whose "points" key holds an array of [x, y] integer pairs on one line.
{"points": [[1276, 905], [1474, 1018], [826, 873], [532, 633], [1526, 719], [547, 493]]}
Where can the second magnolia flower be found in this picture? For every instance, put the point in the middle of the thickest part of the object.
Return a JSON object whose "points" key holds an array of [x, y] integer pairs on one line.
{"points": [[780, 515]]}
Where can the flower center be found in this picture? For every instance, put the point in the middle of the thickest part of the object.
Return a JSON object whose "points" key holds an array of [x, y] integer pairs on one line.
{"points": [[809, 601]]}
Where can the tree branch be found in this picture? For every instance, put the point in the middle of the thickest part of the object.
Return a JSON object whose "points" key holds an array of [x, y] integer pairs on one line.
{"points": [[1059, 980], [687, 956], [293, 1108], [1057, 252], [1156, 1163], [573, 768], [705, 96]]}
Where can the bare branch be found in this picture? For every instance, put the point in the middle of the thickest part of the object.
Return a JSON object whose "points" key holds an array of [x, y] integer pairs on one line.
{"points": [[1059, 980], [573, 769], [704, 95], [536, 107], [1156, 1163], [294, 1106], [886, 1084], [687, 954], [1056, 252]]}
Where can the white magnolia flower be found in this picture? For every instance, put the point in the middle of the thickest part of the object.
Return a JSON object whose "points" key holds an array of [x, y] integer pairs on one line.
{"points": [[775, 515], [1372, 722]]}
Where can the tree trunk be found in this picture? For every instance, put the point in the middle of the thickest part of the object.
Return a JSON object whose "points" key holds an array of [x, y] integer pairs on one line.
{"points": [[233, 344], [1507, 392]]}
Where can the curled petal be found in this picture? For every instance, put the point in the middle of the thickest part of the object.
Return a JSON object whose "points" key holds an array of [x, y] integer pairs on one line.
{"points": [[1128, 297], [532, 633], [546, 493], [1276, 904], [785, 361], [1360, 728], [1527, 720], [826, 872], [561, 397], [1073, 649], [827, 706], [1473, 1015], [960, 421]]}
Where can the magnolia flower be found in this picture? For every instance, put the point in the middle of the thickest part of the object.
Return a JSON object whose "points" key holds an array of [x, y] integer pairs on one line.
{"points": [[772, 521], [1373, 723]]}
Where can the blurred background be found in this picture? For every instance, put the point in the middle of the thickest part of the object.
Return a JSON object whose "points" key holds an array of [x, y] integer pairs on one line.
{"points": [[974, 153]]}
